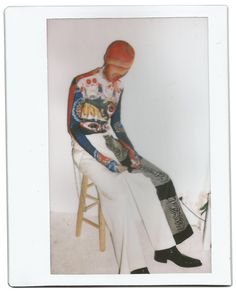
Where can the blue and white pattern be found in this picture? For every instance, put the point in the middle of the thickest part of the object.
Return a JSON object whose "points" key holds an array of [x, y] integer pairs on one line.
{"points": [[77, 100]]}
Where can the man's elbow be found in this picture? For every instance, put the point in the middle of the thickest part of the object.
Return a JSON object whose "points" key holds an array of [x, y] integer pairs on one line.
{"points": [[75, 133], [72, 131]]}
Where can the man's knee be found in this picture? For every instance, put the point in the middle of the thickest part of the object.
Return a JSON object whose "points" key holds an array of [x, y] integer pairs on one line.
{"points": [[164, 177], [166, 190]]}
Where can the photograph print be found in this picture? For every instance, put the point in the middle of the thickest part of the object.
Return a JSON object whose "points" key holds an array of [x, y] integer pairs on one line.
{"points": [[129, 157]]}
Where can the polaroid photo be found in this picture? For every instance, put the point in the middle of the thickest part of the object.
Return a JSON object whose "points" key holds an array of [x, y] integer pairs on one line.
{"points": [[118, 146]]}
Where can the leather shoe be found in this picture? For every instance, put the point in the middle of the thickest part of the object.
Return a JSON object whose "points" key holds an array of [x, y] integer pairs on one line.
{"points": [[177, 257], [141, 271]]}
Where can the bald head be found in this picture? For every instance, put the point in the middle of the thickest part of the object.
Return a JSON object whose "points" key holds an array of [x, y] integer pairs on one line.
{"points": [[119, 53]]}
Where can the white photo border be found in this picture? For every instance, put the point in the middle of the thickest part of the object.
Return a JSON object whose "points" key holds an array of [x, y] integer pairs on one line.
{"points": [[27, 145]]}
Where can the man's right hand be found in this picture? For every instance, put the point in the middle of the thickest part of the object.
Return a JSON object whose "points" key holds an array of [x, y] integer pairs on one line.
{"points": [[122, 168], [135, 164]]}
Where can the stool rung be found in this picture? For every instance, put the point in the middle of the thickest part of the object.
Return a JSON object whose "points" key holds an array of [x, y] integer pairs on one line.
{"points": [[91, 222], [90, 206], [92, 197], [90, 184]]}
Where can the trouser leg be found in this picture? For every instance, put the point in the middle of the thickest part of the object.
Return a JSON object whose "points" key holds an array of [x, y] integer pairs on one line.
{"points": [[151, 211], [119, 211], [170, 203], [165, 191]]}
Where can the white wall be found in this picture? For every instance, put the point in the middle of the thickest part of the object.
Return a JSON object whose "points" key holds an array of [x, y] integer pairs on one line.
{"points": [[165, 104]]}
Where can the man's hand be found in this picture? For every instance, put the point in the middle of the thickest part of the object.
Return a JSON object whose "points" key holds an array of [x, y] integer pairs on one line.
{"points": [[135, 164], [122, 168]]}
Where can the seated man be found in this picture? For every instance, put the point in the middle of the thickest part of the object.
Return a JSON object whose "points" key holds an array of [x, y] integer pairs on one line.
{"points": [[103, 152]]}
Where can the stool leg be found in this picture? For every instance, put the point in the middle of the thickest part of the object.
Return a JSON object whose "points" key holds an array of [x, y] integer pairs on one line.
{"points": [[102, 229], [80, 212]]}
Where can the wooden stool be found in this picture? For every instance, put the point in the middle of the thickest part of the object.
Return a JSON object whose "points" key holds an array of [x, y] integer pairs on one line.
{"points": [[83, 208]]}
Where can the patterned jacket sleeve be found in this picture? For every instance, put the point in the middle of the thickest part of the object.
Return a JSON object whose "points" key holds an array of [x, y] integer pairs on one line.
{"points": [[73, 121], [120, 132]]}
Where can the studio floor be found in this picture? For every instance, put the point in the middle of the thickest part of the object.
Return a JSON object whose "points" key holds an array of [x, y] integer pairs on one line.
{"points": [[73, 255]]}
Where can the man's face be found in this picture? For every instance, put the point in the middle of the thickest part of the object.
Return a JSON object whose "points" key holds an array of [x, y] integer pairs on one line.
{"points": [[114, 72]]}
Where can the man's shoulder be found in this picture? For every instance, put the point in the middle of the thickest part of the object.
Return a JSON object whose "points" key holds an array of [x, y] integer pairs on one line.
{"points": [[81, 77]]}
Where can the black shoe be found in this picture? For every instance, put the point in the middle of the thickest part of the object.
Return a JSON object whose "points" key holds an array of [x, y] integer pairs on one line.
{"points": [[177, 257], [141, 271]]}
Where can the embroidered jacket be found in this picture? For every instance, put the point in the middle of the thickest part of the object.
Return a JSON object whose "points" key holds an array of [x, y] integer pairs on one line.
{"points": [[94, 105]]}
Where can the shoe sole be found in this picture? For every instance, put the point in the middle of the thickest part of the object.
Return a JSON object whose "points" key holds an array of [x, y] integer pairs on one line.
{"points": [[164, 260]]}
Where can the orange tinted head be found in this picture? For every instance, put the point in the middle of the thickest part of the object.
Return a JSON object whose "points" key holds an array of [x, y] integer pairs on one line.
{"points": [[119, 53]]}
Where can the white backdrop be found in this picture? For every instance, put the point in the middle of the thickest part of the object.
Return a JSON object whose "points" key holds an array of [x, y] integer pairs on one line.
{"points": [[165, 107]]}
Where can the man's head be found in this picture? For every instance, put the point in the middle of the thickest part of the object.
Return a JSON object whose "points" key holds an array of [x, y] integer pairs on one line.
{"points": [[118, 59]]}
